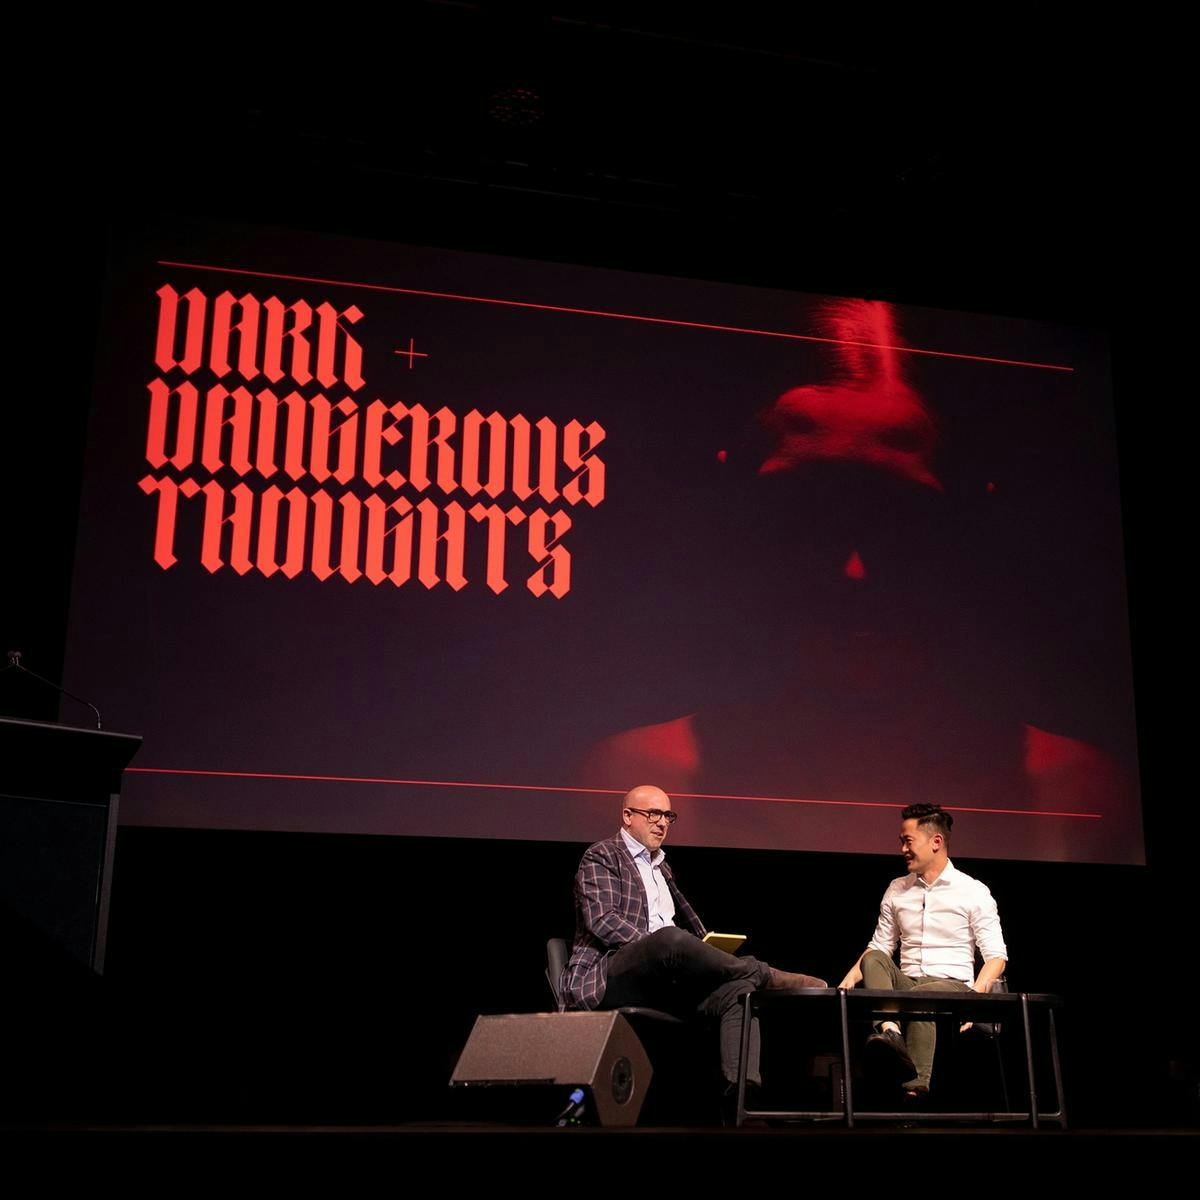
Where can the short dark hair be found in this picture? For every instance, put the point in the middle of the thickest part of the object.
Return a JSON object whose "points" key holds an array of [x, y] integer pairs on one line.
{"points": [[930, 816]]}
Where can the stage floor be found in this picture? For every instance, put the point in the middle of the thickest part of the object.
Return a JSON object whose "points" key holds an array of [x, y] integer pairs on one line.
{"points": [[997, 1158]]}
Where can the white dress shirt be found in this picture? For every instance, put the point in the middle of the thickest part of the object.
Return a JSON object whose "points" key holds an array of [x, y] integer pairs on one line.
{"points": [[939, 925], [660, 904]]}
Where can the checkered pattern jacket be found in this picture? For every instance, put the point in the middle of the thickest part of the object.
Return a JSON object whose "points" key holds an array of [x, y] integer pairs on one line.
{"points": [[610, 910]]}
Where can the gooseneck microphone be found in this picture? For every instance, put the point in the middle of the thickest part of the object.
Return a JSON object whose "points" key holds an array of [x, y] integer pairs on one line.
{"points": [[14, 664]]}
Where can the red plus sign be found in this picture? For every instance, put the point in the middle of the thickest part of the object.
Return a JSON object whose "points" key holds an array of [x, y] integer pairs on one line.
{"points": [[410, 354]]}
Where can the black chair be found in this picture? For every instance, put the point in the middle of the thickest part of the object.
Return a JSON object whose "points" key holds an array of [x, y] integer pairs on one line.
{"points": [[556, 961], [961, 1054]]}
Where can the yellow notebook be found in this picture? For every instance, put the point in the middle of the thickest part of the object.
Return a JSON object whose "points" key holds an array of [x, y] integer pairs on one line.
{"points": [[729, 942]]}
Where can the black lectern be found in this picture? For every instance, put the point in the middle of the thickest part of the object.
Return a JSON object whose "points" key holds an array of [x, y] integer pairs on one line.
{"points": [[59, 787]]}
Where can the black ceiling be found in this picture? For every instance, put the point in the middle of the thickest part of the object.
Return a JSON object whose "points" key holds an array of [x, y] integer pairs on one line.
{"points": [[993, 164]]}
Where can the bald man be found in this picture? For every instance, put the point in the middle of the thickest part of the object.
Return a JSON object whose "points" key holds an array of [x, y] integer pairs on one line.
{"points": [[638, 941]]}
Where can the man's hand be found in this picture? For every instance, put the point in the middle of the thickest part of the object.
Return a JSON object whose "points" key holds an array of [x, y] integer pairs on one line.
{"points": [[988, 974], [975, 988], [853, 977]]}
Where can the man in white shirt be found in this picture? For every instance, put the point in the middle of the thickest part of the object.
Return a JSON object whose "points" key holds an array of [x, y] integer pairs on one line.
{"points": [[939, 916]]}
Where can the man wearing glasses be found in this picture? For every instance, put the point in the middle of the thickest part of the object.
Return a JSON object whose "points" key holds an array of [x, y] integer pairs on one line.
{"points": [[638, 941]]}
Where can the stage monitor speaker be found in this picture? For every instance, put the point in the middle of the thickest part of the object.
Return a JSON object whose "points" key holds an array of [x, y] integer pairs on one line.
{"points": [[595, 1050]]}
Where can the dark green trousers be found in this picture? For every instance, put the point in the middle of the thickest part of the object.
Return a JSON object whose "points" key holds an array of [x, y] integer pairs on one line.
{"points": [[880, 971]]}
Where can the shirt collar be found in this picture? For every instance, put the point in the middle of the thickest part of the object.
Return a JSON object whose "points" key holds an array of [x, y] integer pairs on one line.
{"points": [[947, 877], [637, 850]]}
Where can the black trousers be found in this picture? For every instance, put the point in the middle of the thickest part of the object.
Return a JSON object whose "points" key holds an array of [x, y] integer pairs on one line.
{"points": [[675, 971]]}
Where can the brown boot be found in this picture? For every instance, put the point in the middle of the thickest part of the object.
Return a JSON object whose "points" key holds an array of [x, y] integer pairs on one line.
{"points": [[790, 980]]}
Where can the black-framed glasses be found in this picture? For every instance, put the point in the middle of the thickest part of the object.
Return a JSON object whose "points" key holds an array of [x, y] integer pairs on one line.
{"points": [[654, 815]]}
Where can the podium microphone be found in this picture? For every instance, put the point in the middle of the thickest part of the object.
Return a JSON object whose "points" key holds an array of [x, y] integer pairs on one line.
{"points": [[14, 664]]}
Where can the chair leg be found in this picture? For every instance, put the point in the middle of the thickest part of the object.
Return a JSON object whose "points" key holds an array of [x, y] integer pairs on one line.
{"points": [[1033, 1100], [1058, 1083], [848, 1089], [743, 1060], [1002, 1072]]}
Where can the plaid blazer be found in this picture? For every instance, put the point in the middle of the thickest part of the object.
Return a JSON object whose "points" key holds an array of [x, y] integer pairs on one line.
{"points": [[610, 910]]}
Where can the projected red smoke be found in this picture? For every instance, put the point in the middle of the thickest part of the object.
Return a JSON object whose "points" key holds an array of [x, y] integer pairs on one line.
{"points": [[383, 539], [866, 413]]}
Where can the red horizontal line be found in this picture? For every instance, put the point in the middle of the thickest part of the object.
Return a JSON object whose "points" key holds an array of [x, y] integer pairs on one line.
{"points": [[539, 787], [617, 316], [514, 787]]}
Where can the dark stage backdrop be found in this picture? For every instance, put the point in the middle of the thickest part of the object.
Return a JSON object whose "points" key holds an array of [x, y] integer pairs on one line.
{"points": [[385, 539]]}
